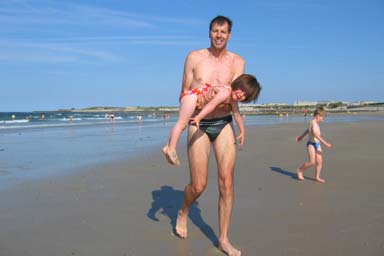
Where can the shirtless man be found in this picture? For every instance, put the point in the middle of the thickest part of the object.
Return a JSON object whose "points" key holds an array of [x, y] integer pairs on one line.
{"points": [[216, 66]]}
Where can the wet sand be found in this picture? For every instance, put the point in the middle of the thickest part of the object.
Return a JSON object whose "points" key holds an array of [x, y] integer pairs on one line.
{"points": [[129, 207]]}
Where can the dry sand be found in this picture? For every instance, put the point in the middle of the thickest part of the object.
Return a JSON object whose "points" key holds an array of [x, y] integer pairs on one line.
{"points": [[129, 207]]}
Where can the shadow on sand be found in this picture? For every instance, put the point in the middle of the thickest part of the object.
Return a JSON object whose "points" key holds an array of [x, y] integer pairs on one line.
{"points": [[168, 201], [293, 175]]}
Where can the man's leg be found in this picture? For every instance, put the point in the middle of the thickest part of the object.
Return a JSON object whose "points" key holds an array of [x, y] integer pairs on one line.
{"points": [[198, 154], [225, 152]]}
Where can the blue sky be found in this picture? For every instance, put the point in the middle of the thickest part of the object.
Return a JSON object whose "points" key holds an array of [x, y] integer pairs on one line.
{"points": [[76, 54]]}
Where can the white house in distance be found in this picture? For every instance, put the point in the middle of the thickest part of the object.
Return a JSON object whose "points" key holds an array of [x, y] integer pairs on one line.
{"points": [[305, 103]]}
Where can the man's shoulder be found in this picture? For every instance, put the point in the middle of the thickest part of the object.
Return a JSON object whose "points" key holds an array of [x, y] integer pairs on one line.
{"points": [[198, 53], [236, 57]]}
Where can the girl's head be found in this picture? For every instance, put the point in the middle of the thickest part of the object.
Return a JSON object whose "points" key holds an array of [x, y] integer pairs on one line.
{"points": [[245, 88]]}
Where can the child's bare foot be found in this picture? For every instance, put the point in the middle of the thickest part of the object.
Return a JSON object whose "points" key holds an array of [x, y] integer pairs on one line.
{"points": [[318, 179], [300, 175], [181, 224], [165, 152], [171, 155], [228, 249]]}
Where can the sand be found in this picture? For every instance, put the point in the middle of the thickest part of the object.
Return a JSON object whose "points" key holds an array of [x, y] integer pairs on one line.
{"points": [[129, 207]]}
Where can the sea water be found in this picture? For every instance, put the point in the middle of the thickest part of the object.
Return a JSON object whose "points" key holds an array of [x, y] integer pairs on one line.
{"points": [[36, 145]]}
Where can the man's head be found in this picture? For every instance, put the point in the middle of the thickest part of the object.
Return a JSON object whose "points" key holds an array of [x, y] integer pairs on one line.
{"points": [[220, 32], [221, 20]]}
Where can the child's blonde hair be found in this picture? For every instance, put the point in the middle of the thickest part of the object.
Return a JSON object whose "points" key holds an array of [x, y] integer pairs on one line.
{"points": [[320, 111]]}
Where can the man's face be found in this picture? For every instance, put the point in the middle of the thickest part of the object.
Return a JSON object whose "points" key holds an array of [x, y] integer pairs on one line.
{"points": [[219, 35]]}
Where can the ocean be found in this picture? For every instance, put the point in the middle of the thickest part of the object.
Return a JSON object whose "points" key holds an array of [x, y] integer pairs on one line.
{"points": [[35, 145]]}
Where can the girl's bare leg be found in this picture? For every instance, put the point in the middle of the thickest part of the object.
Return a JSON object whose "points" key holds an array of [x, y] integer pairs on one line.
{"points": [[187, 107]]}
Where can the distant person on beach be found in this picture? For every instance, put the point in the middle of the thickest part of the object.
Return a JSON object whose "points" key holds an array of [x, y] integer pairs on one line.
{"points": [[216, 66], [245, 88], [315, 153]]}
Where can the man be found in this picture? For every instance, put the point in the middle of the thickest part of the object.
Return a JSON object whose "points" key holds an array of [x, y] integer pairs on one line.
{"points": [[215, 66]]}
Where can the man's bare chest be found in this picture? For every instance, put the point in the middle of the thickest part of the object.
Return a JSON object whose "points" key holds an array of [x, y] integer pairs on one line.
{"points": [[215, 73]]}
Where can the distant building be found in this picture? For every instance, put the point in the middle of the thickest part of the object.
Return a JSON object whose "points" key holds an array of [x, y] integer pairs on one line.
{"points": [[305, 103], [360, 103], [276, 104]]}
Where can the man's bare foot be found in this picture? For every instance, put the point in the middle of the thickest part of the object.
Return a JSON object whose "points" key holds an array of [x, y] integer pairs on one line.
{"points": [[228, 249], [300, 175], [171, 155], [181, 224], [319, 180]]}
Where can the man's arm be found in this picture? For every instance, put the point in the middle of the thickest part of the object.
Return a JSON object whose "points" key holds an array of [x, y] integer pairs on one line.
{"points": [[239, 121], [239, 66], [188, 72]]}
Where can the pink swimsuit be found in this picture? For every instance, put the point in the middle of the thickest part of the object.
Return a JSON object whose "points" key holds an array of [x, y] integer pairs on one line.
{"points": [[196, 91], [204, 94]]}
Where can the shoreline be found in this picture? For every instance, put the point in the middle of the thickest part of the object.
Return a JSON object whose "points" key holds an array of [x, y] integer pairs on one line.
{"points": [[266, 109], [119, 141], [121, 207]]}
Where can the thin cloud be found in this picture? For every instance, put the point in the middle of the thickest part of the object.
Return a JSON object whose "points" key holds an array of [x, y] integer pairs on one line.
{"points": [[72, 32], [46, 52], [77, 49], [24, 12]]}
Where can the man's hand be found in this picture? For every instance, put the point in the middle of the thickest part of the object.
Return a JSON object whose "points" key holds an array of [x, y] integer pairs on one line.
{"points": [[241, 139], [196, 121]]}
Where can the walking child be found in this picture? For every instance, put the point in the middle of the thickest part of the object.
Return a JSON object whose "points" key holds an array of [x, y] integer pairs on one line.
{"points": [[244, 89], [315, 153]]}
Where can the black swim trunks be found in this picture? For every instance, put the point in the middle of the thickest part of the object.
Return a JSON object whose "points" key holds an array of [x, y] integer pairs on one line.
{"points": [[212, 127]]}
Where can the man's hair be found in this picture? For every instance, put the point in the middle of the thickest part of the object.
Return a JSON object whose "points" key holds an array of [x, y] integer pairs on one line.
{"points": [[249, 85], [221, 20], [320, 111]]}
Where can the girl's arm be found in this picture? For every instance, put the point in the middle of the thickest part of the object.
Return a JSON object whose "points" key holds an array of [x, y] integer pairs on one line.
{"points": [[239, 121], [219, 98]]}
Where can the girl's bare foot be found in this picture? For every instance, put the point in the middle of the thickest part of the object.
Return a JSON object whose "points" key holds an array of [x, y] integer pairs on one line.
{"points": [[300, 175], [171, 155], [228, 249], [181, 224]]}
